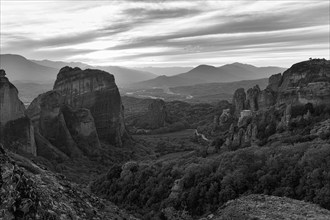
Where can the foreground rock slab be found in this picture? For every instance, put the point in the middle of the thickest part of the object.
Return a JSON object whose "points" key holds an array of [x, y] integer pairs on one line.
{"points": [[263, 207]]}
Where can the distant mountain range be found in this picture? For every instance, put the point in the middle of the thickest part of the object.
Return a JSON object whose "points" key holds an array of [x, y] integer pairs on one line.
{"points": [[18, 68], [167, 71], [211, 74]]}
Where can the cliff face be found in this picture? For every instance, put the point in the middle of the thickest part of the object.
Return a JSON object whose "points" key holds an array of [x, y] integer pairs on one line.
{"points": [[81, 125], [94, 90], [62, 131], [16, 130], [305, 82], [52, 124], [11, 107], [269, 110]]}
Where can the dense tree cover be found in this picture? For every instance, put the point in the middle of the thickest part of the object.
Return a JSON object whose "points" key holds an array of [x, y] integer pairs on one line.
{"points": [[301, 172], [194, 115]]}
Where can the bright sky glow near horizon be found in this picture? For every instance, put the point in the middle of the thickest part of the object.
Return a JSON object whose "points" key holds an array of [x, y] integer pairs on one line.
{"points": [[167, 33]]}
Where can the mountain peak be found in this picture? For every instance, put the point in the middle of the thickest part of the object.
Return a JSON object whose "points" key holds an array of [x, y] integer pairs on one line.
{"points": [[203, 68]]}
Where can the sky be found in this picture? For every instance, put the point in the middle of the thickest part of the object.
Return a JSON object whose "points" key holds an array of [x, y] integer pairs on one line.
{"points": [[167, 33]]}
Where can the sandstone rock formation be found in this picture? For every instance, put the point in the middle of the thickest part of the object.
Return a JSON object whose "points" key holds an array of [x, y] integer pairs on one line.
{"points": [[252, 98], [82, 128], [239, 100], [260, 113], [19, 136], [52, 124], [15, 129], [305, 82], [274, 82], [47, 150], [62, 129], [155, 117], [266, 98], [95, 90], [145, 114], [11, 107], [68, 121], [33, 111], [225, 120]]}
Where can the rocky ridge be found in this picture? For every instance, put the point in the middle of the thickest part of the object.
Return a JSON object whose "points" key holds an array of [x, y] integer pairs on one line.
{"points": [[258, 114]]}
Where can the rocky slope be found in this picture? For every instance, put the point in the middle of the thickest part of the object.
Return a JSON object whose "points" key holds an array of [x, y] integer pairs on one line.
{"points": [[16, 130], [28, 191], [265, 207]]}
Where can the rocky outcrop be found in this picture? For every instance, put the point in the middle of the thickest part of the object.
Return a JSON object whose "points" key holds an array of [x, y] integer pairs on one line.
{"points": [[157, 113], [52, 124], [46, 150], [16, 130], [19, 136], [322, 129], [266, 98], [28, 191], [245, 118], [155, 116], [304, 85], [11, 107], [95, 90], [82, 128], [266, 207], [176, 189], [274, 82], [252, 98], [33, 111], [61, 129], [225, 119], [84, 105], [305, 82], [239, 100], [146, 114]]}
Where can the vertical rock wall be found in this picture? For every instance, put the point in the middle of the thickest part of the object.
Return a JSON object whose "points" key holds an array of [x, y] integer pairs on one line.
{"points": [[94, 90]]}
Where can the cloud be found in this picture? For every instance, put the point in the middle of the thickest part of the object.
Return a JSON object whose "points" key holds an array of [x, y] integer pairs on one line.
{"points": [[163, 32], [160, 13], [240, 24]]}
